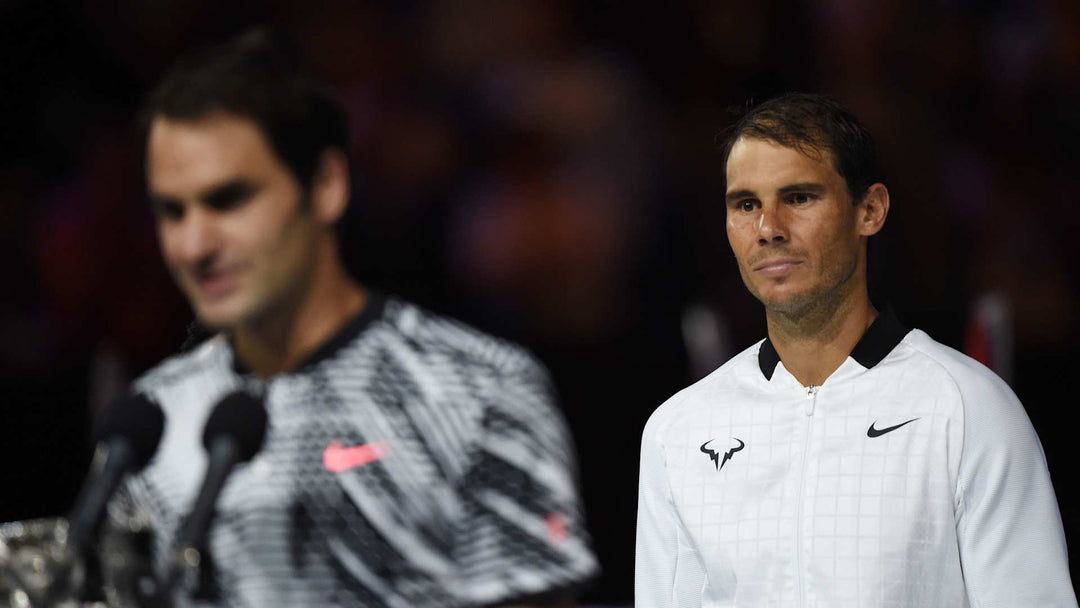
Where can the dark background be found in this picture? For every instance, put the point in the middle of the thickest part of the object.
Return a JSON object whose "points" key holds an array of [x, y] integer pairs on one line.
{"points": [[547, 171]]}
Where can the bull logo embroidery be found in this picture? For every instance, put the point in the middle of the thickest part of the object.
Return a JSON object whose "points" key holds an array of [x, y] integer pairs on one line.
{"points": [[715, 456]]}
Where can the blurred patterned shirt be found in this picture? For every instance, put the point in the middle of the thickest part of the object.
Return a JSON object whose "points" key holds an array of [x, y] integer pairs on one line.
{"points": [[412, 461]]}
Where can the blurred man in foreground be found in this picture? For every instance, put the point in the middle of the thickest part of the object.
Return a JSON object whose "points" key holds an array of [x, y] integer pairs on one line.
{"points": [[410, 460], [844, 461]]}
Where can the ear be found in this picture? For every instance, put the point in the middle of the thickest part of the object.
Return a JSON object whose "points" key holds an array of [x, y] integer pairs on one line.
{"points": [[872, 210], [330, 188]]}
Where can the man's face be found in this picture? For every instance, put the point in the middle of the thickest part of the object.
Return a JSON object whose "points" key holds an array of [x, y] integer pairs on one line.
{"points": [[230, 219], [792, 226]]}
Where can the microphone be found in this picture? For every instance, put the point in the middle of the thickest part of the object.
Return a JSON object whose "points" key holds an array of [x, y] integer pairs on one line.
{"points": [[233, 434], [127, 436]]}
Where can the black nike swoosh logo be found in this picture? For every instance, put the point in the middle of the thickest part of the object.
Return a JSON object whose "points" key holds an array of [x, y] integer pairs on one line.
{"points": [[872, 432]]}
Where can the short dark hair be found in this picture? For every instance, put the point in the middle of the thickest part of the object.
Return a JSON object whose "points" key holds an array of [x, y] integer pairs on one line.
{"points": [[812, 124], [259, 76]]}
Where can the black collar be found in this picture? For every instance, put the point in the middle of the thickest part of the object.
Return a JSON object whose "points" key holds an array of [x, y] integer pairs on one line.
{"points": [[880, 338], [372, 310]]}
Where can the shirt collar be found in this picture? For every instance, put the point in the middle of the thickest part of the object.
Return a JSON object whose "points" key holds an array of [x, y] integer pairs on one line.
{"points": [[879, 340], [372, 310]]}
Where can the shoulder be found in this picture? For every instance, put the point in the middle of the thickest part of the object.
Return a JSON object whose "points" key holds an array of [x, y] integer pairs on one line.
{"points": [[453, 368], [740, 375], [211, 357], [440, 340], [992, 414], [972, 379], [498, 386]]}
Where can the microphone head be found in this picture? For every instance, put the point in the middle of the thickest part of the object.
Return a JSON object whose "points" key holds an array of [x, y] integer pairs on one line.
{"points": [[241, 417], [136, 419]]}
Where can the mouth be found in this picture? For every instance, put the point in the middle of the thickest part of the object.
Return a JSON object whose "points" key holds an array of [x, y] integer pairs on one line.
{"points": [[777, 267], [216, 283]]}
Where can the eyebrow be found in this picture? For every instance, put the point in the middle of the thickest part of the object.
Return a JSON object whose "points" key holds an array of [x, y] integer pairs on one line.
{"points": [[227, 191], [811, 187], [219, 193], [159, 202]]}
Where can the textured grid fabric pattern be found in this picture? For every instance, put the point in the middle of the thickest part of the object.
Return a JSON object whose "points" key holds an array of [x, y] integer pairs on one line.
{"points": [[464, 494], [810, 508]]}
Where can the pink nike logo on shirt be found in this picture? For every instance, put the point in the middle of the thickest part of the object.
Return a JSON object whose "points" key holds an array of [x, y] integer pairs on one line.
{"points": [[337, 458], [557, 528]]}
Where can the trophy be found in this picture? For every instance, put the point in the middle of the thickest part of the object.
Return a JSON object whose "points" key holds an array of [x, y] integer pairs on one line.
{"points": [[37, 569]]}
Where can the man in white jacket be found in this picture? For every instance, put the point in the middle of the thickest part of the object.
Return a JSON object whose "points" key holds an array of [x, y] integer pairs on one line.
{"points": [[844, 461]]}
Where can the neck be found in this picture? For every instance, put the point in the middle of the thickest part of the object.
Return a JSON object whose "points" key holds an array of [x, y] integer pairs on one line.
{"points": [[814, 344], [280, 341]]}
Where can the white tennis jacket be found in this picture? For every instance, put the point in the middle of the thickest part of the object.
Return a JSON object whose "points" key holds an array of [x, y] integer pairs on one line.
{"points": [[912, 477]]}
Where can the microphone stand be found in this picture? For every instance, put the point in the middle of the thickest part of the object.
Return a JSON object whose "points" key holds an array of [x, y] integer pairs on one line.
{"points": [[186, 556]]}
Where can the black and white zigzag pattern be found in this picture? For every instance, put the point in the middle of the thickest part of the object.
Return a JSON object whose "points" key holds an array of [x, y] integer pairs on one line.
{"points": [[473, 501]]}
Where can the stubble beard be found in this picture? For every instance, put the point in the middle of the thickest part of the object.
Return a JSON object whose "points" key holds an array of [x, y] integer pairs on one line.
{"points": [[813, 306]]}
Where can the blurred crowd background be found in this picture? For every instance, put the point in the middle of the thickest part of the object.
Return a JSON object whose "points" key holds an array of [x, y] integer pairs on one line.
{"points": [[547, 171]]}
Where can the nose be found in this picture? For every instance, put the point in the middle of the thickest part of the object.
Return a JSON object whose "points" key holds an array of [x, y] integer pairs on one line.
{"points": [[772, 227], [192, 239]]}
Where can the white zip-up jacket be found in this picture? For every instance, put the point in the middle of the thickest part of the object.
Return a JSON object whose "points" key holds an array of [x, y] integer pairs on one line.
{"points": [[912, 477]]}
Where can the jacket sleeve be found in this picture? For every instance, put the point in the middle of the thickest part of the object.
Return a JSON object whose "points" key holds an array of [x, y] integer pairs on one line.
{"points": [[667, 571], [1012, 544], [521, 537]]}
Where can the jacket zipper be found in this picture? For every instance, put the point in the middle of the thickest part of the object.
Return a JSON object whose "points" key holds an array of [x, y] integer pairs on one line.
{"points": [[811, 402]]}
